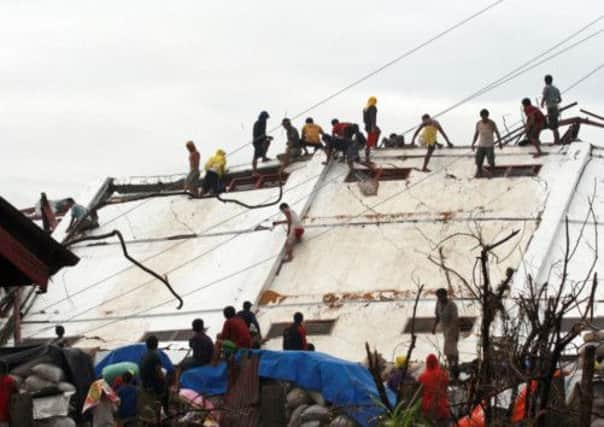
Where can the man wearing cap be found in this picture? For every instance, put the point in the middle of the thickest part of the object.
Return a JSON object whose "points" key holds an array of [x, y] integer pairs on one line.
{"points": [[260, 140], [201, 345]]}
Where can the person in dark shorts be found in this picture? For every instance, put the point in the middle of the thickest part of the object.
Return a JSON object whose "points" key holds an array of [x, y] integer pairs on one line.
{"points": [[341, 133], [215, 168], [485, 133], [535, 123], [261, 141], [201, 345], [551, 99], [153, 380], [311, 136], [371, 127]]}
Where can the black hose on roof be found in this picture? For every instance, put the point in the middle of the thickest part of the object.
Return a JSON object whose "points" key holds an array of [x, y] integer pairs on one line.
{"points": [[260, 206], [117, 233]]}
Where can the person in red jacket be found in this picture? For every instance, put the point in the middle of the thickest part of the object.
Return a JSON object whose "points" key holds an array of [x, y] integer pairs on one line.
{"points": [[435, 404], [294, 336], [535, 123], [235, 329], [8, 387]]}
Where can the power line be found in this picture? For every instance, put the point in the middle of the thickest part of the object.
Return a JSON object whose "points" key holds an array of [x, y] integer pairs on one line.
{"points": [[582, 79], [525, 67], [384, 66]]}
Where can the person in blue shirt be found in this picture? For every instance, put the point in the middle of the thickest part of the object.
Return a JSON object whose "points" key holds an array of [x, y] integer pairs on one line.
{"points": [[128, 393]]}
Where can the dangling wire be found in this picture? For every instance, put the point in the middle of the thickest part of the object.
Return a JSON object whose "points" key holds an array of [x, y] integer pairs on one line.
{"points": [[132, 260]]}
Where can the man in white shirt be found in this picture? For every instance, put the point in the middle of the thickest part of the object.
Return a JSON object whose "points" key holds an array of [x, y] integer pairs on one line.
{"points": [[551, 99], [485, 132]]}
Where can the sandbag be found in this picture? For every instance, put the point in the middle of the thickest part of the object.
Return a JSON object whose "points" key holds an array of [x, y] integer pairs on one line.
{"points": [[317, 397], [343, 421], [111, 372], [56, 422], [311, 424], [49, 372], [315, 413], [66, 387], [296, 417], [297, 397], [34, 383]]}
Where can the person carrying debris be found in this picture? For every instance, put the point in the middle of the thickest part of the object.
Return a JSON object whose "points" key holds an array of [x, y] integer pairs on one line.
{"points": [[428, 138], [485, 132], [294, 336], [234, 329], [215, 168], [447, 316], [311, 136], [370, 121], [201, 345], [80, 216], [435, 403], [260, 140], [293, 148], [154, 382], [551, 99], [535, 123], [192, 179], [295, 230], [8, 387]]}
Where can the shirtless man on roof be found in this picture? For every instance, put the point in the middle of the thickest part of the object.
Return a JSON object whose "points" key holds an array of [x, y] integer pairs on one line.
{"points": [[295, 230], [430, 129]]}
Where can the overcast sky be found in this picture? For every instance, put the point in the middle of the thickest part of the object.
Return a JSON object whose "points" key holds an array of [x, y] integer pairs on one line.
{"points": [[91, 89]]}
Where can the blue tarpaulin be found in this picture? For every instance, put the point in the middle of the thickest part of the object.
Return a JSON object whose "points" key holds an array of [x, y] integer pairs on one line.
{"points": [[345, 384], [131, 353]]}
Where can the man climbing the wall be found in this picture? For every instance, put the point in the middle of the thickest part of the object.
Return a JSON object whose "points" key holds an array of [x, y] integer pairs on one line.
{"points": [[430, 129], [295, 230]]}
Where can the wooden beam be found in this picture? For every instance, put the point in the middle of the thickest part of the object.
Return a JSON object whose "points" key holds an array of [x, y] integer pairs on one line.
{"points": [[23, 259]]}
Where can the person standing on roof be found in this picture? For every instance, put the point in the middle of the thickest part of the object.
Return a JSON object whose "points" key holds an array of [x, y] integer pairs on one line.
{"points": [[428, 138], [535, 123], [295, 230], [446, 315], [311, 135], [201, 345], [294, 336], [8, 387], [215, 168], [192, 179], [370, 120], [551, 99], [435, 403], [293, 145], [261, 141], [152, 376], [249, 317], [234, 329], [485, 132]]}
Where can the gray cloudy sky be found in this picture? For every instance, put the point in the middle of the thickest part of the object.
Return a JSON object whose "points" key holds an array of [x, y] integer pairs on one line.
{"points": [[114, 88]]}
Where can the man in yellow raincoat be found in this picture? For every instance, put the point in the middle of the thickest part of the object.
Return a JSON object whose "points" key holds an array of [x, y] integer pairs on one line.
{"points": [[215, 168]]}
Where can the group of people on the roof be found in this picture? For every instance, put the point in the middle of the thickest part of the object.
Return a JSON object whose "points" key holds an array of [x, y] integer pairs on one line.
{"points": [[348, 140]]}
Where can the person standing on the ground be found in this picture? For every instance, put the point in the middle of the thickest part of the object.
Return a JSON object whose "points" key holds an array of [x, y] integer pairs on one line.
{"points": [[294, 336], [371, 127], [8, 387], [261, 141], [249, 317], [201, 345], [215, 168], [435, 402], [428, 138], [295, 230], [551, 99], [128, 394], [152, 377], [311, 136], [447, 316], [192, 179], [485, 132], [535, 123], [234, 329]]}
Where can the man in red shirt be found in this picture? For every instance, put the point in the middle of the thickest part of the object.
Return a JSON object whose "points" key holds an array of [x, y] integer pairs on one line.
{"points": [[235, 329], [8, 386], [341, 132], [535, 123], [435, 403], [294, 337]]}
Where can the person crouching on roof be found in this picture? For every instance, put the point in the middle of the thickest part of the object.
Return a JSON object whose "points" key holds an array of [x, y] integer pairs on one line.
{"points": [[295, 230], [435, 403], [215, 167]]}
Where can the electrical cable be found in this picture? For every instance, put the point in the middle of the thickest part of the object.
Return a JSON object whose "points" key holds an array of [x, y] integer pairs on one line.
{"points": [[384, 66]]}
